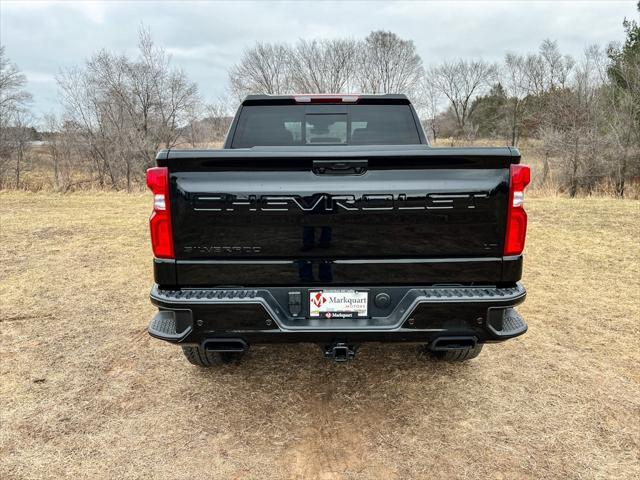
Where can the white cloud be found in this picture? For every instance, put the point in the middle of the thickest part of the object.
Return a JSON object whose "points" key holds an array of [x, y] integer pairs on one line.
{"points": [[91, 10], [40, 77], [203, 52]]}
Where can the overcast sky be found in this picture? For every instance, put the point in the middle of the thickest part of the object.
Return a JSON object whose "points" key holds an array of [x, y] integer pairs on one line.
{"points": [[206, 38]]}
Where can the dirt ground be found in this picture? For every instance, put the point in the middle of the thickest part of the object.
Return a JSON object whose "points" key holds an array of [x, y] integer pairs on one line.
{"points": [[85, 393]]}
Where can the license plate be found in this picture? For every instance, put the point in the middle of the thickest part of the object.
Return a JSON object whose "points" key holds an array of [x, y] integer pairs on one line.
{"points": [[338, 304]]}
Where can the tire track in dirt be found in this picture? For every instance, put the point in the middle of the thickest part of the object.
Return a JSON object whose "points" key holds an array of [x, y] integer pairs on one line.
{"points": [[326, 452], [333, 446]]}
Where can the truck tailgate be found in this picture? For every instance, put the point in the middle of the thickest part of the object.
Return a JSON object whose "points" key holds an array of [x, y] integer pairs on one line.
{"points": [[376, 215]]}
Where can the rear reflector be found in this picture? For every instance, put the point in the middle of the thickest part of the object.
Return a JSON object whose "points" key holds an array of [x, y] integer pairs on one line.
{"points": [[519, 178], [160, 221]]}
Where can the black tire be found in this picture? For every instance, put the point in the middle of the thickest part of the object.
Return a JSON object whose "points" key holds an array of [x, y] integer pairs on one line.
{"points": [[461, 355], [205, 358]]}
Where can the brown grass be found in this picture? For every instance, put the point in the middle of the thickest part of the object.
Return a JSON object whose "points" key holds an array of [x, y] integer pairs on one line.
{"points": [[84, 392]]}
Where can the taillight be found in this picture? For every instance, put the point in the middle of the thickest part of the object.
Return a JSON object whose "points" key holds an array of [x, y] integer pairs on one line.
{"points": [[519, 178], [160, 221]]}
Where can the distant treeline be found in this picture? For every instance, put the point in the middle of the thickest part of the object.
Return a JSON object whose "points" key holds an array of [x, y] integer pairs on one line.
{"points": [[118, 111]]}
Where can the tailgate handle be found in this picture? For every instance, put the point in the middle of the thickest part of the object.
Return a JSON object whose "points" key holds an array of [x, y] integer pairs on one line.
{"points": [[340, 167]]}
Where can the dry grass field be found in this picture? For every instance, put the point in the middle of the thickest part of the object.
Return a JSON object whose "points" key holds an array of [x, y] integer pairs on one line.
{"points": [[85, 393]]}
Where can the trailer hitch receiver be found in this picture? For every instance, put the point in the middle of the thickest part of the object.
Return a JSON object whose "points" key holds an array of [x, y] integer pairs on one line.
{"points": [[340, 352]]}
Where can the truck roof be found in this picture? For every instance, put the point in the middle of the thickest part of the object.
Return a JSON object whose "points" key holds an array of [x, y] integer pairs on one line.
{"points": [[339, 98]]}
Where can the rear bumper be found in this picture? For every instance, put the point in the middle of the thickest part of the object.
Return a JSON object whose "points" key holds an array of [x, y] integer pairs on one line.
{"points": [[414, 314]]}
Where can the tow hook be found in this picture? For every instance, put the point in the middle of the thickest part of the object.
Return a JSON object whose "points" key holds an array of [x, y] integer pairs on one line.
{"points": [[340, 352]]}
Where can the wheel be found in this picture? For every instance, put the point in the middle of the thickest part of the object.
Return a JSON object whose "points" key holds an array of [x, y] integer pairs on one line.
{"points": [[457, 355], [206, 358]]}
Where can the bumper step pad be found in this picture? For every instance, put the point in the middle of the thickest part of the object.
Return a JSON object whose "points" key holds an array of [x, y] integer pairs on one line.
{"points": [[512, 324], [163, 326]]}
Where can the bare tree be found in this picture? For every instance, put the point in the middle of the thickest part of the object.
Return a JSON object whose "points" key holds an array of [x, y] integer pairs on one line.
{"points": [[194, 132], [127, 109], [537, 75], [82, 111], [428, 102], [14, 117], [173, 96], [460, 82], [322, 66], [558, 67], [518, 86], [218, 118], [572, 125], [19, 139], [263, 68], [53, 127], [208, 125], [12, 81], [67, 153], [389, 64]]}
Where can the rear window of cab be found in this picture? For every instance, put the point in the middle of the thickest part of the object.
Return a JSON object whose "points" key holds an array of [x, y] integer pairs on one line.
{"points": [[291, 125]]}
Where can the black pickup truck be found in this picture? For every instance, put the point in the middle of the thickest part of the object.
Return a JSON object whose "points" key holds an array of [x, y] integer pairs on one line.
{"points": [[329, 219]]}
